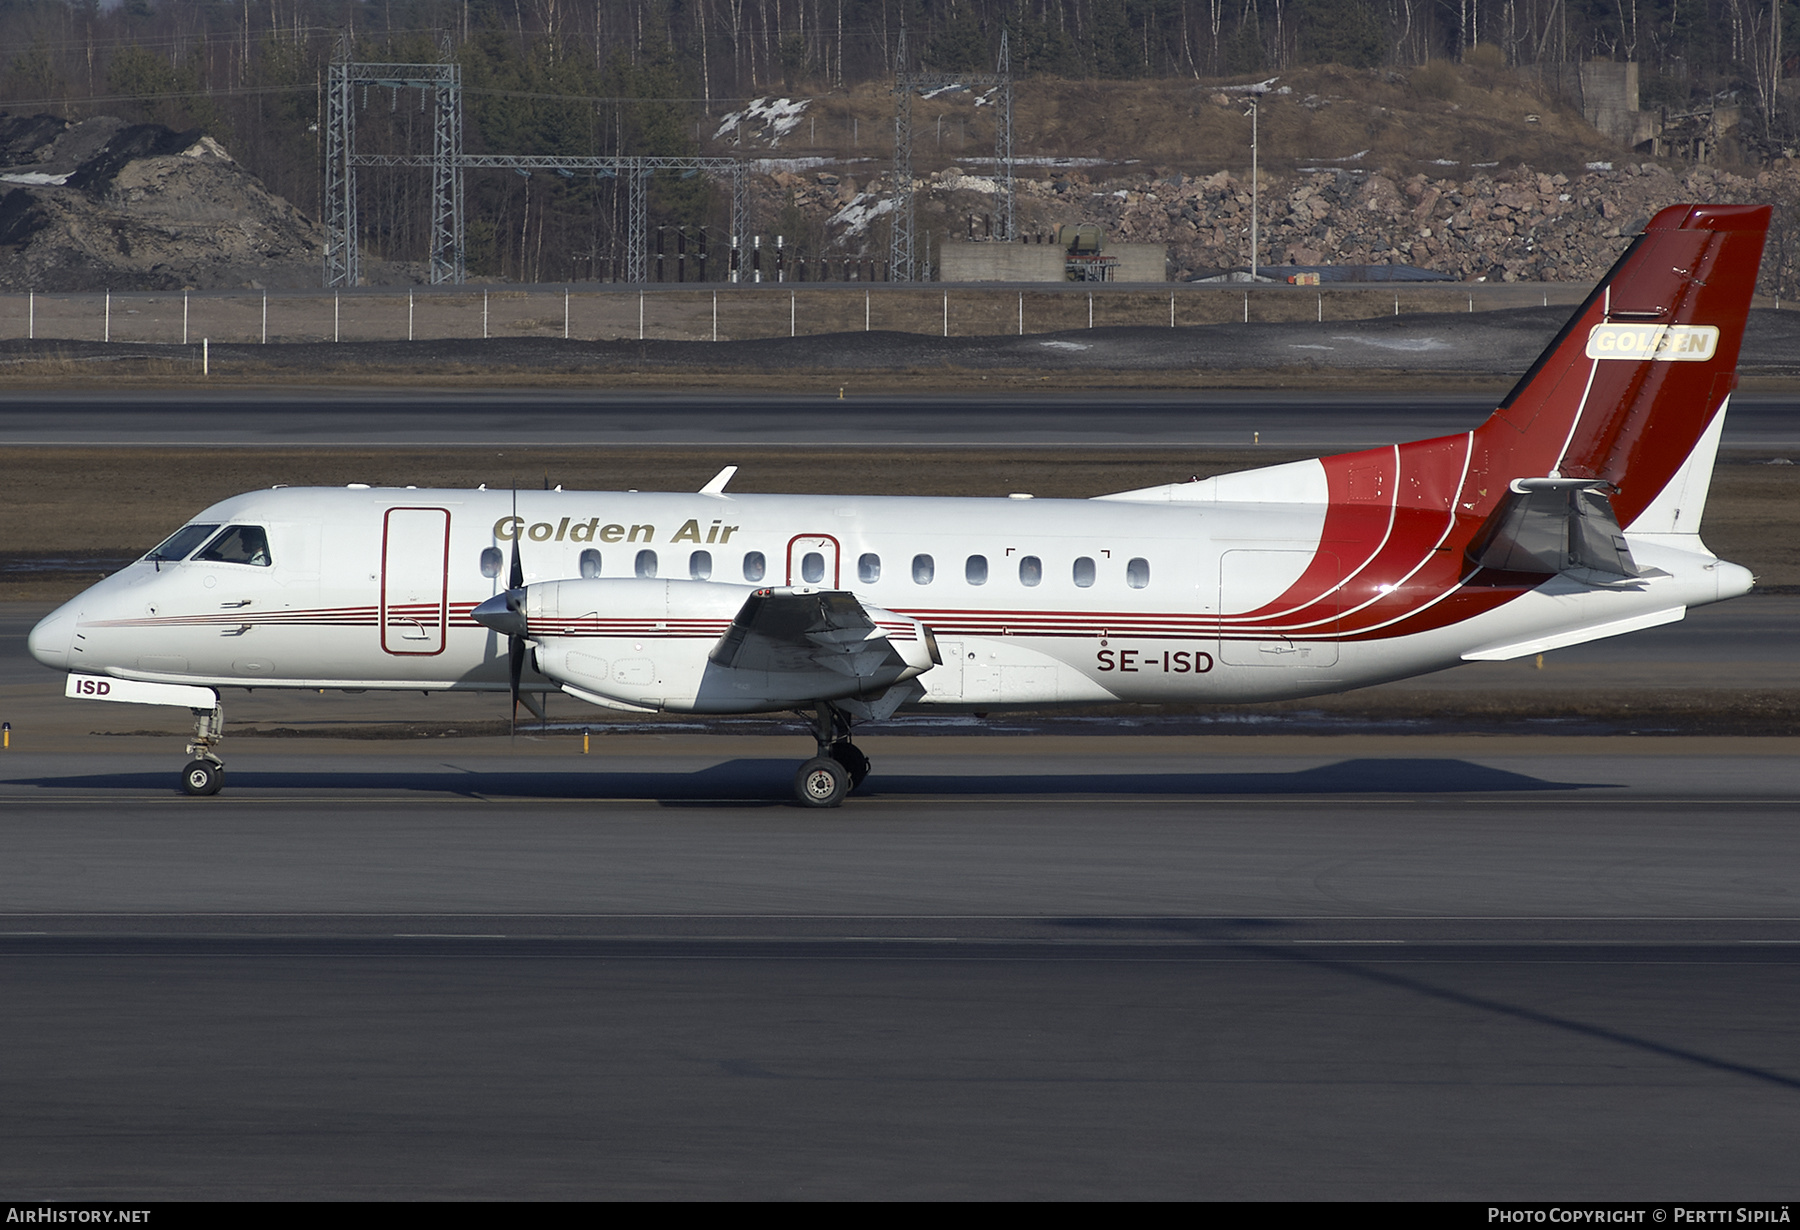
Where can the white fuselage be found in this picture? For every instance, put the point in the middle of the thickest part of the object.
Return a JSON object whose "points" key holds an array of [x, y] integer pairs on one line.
{"points": [[1140, 597]]}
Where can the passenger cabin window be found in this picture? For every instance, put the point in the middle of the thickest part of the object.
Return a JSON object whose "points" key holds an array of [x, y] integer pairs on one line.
{"points": [[1137, 573], [754, 566], [646, 563], [239, 544], [590, 564], [182, 542], [700, 565], [812, 568], [1031, 570], [491, 561], [975, 570], [868, 569], [1084, 572], [923, 569]]}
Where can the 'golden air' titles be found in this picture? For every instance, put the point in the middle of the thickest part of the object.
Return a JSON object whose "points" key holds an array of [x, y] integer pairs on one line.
{"points": [[567, 530]]}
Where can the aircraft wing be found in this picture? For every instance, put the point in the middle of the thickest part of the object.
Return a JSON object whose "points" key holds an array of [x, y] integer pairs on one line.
{"points": [[804, 630]]}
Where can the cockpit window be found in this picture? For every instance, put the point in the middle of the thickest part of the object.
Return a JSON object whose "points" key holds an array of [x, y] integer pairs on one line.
{"points": [[182, 542], [239, 544]]}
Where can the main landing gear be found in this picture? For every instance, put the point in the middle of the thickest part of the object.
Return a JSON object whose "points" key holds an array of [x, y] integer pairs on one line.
{"points": [[840, 765], [205, 773]]}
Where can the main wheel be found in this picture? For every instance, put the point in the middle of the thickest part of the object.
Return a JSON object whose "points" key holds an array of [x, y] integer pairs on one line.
{"points": [[202, 777], [851, 757], [821, 782]]}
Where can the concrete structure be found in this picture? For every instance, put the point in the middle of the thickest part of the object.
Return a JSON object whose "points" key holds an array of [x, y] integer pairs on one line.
{"points": [[1609, 100], [1045, 262]]}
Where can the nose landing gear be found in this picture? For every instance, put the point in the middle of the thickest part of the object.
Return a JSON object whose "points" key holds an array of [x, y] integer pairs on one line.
{"points": [[205, 773], [840, 766]]}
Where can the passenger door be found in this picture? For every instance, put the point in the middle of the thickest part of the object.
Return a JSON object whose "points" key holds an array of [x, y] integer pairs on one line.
{"points": [[415, 584]]}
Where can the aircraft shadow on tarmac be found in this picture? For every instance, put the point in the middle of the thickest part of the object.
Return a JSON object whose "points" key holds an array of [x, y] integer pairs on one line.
{"points": [[770, 781]]}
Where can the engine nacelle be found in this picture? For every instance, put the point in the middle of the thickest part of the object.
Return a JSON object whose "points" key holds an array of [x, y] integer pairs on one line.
{"points": [[673, 645]]}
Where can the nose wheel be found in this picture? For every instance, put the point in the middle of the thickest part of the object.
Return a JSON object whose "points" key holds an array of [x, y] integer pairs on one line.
{"points": [[205, 773], [840, 766]]}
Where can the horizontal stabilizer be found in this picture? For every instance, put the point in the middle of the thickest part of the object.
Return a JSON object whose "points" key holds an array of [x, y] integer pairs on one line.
{"points": [[1574, 636], [1552, 525]]}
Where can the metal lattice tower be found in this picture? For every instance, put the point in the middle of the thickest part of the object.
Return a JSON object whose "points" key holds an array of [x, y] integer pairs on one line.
{"points": [[637, 222], [902, 260], [740, 211], [447, 249], [340, 174], [902, 222], [637, 201], [444, 80], [1003, 147], [447, 162]]}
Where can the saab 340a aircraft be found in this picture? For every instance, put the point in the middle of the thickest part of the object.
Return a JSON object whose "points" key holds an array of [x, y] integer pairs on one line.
{"points": [[1572, 513]]}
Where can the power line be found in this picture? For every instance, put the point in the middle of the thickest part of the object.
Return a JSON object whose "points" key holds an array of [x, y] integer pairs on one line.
{"points": [[312, 87]]}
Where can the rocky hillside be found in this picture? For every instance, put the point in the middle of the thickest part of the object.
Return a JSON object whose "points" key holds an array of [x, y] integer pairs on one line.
{"points": [[1476, 176], [1513, 225], [1472, 171], [102, 204]]}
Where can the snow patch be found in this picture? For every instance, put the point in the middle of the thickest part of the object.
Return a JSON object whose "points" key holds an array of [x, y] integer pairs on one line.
{"points": [[862, 210], [206, 147], [776, 117], [768, 166], [968, 183], [1411, 344]]}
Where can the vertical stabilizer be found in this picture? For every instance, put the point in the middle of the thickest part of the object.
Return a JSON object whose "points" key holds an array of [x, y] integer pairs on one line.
{"points": [[1615, 425], [1628, 391]]}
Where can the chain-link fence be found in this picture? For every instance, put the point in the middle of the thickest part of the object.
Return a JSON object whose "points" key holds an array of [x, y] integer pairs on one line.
{"points": [[709, 313]]}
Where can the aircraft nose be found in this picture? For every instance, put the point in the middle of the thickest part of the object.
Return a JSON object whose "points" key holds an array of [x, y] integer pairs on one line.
{"points": [[49, 641], [504, 613]]}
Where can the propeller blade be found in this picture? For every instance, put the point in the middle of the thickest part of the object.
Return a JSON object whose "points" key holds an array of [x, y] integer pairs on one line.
{"points": [[516, 666], [515, 577], [506, 613]]}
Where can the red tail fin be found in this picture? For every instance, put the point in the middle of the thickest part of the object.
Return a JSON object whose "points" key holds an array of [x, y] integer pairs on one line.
{"points": [[1633, 380], [1624, 394]]}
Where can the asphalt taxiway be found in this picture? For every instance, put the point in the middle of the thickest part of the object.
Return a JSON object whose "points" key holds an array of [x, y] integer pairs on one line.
{"points": [[1100, 420], [1204, 968]]}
